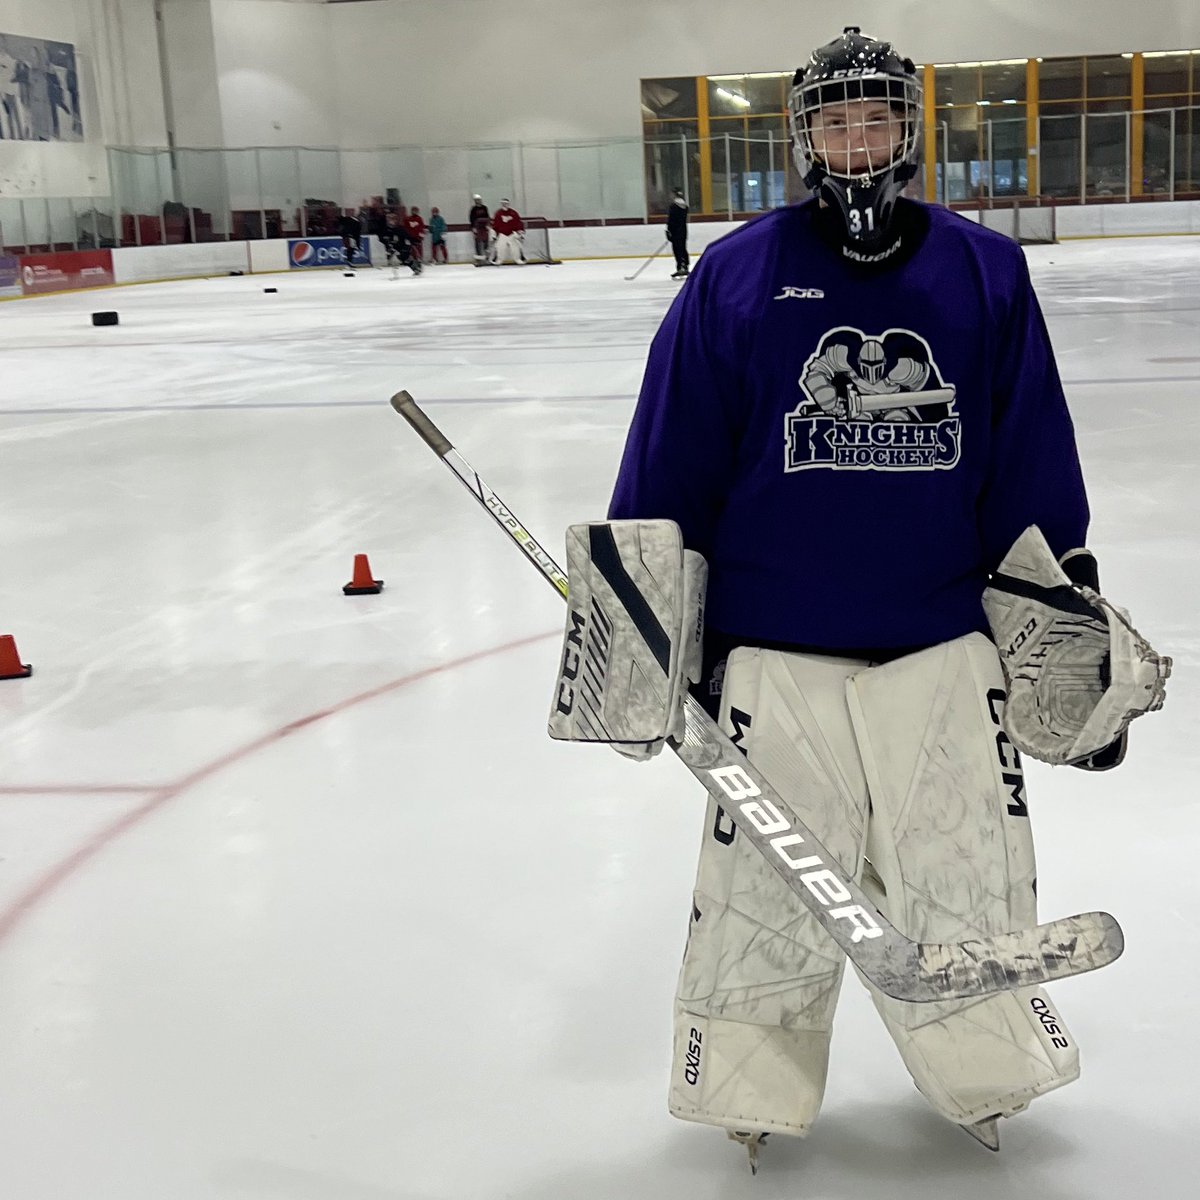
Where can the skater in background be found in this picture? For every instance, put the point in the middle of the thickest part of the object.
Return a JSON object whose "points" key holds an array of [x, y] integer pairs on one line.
{"points": [[509, 240], [437, 237], [390, 237], [377, 221], [414, 226], [677, 232], [480, 223], [349, 229]]}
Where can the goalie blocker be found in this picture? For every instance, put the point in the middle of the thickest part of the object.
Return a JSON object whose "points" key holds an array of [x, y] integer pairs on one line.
{"points": [[633, 640]]}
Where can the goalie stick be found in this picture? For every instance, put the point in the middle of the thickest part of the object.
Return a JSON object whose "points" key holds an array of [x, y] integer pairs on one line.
{"points": [[631, 278], [896, 965]]}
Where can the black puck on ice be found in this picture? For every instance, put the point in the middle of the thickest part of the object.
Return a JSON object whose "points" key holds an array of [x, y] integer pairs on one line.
{"points": [[348, 274], [270, 290], [105, 318], [237, 272]]}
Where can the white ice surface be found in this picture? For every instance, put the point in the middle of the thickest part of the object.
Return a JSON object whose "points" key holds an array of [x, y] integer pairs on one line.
{"points": [[409, 949]]}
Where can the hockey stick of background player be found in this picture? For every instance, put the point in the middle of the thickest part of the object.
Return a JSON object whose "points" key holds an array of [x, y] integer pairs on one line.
{"points": [[630, 278], [896, 965]]}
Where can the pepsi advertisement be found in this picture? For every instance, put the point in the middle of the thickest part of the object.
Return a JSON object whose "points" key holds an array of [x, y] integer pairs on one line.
{"points": [[324, 252]]}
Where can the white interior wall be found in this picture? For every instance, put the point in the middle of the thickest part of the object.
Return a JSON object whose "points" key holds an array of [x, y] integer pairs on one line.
{"points": [[461, 71], [276, 74], [191, 54], [452, 72], [119, 85]]}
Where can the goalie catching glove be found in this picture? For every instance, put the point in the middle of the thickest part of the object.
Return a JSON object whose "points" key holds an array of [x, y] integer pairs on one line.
{"points": [[1077, 671], [635, 623]]}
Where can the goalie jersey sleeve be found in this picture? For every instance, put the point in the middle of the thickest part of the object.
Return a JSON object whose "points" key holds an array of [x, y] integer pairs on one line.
{"points": [[852, 447], [681, 450], [1033, 477]]}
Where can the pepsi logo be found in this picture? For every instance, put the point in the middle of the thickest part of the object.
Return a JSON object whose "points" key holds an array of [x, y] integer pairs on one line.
{"points": [[303, 253]]}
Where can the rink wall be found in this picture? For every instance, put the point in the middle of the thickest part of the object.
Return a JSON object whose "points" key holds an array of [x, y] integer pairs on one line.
{"points": [[147, 264]]}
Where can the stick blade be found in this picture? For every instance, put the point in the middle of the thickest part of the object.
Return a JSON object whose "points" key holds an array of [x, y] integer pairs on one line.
{"points": [[959, 970]]}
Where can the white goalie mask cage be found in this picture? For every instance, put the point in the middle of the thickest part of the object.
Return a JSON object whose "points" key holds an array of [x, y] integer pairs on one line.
{"points": [[846, 96]]}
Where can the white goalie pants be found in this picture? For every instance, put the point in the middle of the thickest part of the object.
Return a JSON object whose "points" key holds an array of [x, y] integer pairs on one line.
{"points": [[508, 247], [904, 773]]}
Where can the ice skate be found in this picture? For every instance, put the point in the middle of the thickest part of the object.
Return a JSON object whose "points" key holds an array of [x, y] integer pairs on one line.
{"points": [[752, 1140], [985, 1132]]}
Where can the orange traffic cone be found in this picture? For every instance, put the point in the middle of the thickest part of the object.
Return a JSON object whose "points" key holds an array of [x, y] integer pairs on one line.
{"points": [[362, 583], [11, 666]]}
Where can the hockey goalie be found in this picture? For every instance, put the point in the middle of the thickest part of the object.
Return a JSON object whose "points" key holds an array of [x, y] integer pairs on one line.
{"points": [[850, 517], [508, 236]]}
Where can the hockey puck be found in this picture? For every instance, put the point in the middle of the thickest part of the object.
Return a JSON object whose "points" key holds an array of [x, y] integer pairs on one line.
{"points": [[105, 318], [269, 291], [347, 274], [237, 272]]}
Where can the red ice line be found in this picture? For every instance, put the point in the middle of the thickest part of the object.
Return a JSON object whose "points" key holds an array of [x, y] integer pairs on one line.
{"points": [[18, 909]]}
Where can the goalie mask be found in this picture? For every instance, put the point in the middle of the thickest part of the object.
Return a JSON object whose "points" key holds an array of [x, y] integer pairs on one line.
{"points": [[855, 116]]}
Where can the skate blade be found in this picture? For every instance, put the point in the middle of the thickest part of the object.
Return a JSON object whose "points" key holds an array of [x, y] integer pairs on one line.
{"points": [[752, 1141], [985, 1132]]}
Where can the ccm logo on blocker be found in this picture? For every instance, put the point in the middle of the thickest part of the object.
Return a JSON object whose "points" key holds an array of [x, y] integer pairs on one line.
{"points": [[819, 880]]}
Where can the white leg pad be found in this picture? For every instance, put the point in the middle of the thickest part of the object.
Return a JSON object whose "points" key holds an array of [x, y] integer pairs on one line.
{"points": [[951, 852], [760, 977], [747, 1076]]}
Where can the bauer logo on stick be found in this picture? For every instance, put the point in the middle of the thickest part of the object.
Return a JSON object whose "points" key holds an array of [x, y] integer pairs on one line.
{"points": [[823, 883]]}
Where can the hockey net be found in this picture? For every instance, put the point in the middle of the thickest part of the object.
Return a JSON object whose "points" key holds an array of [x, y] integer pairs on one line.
{"points": [[537, 241], [1030, 225], [536, 244]]}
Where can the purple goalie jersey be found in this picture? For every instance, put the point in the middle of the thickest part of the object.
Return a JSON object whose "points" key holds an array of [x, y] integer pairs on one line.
{"points": [[853, 451]]}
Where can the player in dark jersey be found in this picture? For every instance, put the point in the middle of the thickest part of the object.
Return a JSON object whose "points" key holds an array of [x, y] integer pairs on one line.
{"points": [[852, 412], [677, 232], [479, 220], [398, 247], [349, 229]]}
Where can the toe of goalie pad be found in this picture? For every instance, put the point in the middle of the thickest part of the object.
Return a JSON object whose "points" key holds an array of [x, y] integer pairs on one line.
{"points": [[635, 621], [1077, 670]]}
